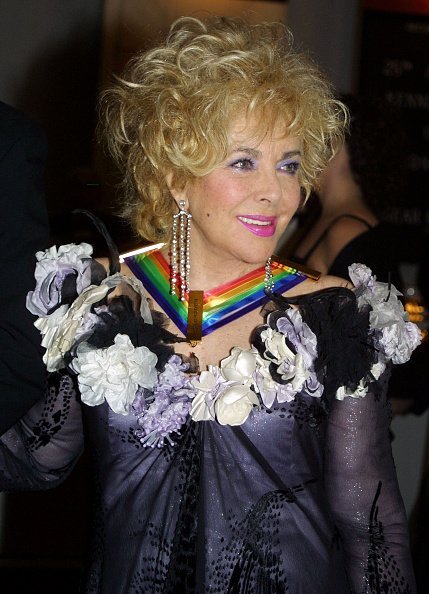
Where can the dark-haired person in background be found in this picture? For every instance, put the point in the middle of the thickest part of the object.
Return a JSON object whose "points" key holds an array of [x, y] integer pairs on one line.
{"points": [[348, 221], [23, 231], [356, 191]]}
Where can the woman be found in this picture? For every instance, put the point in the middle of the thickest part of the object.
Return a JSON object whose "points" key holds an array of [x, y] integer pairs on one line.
{"points": [[356, 194], [231, 455]]}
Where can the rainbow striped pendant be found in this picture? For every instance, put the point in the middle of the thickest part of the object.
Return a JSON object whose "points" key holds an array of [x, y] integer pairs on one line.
{"points": [[220, 305]]}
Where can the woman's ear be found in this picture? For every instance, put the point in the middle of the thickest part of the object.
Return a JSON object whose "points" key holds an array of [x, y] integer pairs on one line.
{"points": [[177, 194]]}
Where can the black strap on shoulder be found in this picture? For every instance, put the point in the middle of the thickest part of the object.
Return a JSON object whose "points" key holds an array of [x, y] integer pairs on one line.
{"points": [[329, 227]]}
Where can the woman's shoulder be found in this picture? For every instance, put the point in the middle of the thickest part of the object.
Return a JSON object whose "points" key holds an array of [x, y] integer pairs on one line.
{"points": [[311, 285], [332, 302], [327, 339], [359, 328]]}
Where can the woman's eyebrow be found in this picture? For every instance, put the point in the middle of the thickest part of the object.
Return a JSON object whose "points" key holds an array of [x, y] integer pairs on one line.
{"points": [[290, 154], [249, 151], [256, 153]]}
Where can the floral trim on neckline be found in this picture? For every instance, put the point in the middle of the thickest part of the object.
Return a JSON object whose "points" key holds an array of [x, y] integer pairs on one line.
{"points": [[137, 371]]}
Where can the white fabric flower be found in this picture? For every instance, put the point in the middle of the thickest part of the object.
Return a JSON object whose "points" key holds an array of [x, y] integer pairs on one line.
{"points": [[240, 365], [399, 340], [275, 346], [224, 394], [360, 392], [52, 268], [60, 328], [234, 404], [268, 388], [377, 369], [114, 374], [201, 408], [387, 309], [361, 275], [70, 251], [398, 337]]}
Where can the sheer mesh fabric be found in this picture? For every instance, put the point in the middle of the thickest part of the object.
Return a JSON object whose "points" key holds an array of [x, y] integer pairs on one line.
{"points": [[302, 498]]}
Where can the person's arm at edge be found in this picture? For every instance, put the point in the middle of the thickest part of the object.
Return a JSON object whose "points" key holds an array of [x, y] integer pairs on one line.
{"points": [[23, 231]]}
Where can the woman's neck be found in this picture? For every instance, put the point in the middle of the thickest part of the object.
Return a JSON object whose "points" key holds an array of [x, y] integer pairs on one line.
{"points": [[206, 274], [341, 198]]}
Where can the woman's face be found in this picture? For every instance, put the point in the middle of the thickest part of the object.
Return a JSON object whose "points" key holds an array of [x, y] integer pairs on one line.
{"points": [[242, 207]]}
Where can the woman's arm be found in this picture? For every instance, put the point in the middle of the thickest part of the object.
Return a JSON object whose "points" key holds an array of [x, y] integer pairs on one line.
{"points": [[364, 495], [40, 450], [23, 231]]}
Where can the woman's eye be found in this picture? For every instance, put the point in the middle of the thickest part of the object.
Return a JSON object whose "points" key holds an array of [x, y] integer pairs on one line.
{"points": [[290, 167], [244, 164]]}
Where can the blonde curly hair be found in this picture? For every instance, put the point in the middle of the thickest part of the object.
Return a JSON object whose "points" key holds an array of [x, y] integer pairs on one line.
{"points": [[169, 115]]}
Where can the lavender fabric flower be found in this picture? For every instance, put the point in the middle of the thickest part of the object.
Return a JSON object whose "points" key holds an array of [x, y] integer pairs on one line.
{"points": [[312, 386], [291, 346], [361, 276], [52, 268], [166, 410], [396, 336], [399, 340], [300, 335]]}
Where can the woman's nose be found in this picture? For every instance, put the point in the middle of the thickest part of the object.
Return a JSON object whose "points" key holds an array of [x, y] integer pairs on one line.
{"points": [[269, 187]]}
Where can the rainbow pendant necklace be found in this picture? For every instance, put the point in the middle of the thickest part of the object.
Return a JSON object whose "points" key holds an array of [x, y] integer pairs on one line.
{"points": [[202, 312]]}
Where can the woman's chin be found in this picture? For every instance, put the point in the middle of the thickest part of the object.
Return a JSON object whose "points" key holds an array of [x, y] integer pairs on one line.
{"points": [[247, 256], [256, 260]]}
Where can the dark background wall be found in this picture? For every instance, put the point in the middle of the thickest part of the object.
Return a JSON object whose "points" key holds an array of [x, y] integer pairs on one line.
{"points": [[49, 65], [50, 68]]}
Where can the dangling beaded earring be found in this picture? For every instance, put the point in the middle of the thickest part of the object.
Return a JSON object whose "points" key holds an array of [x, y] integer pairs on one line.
{"points": [[180, 251], [269, 278]]}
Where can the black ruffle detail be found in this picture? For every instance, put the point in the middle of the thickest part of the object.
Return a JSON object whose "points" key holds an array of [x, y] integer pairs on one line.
{"points": [[345, 348], [98, 272], [121, 318], [68, 288], [114, 264], [68, 291]]}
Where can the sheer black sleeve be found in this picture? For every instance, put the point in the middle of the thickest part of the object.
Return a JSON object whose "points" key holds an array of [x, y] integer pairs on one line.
{"points": [[40, 450], [360, 478], [364, 496]]}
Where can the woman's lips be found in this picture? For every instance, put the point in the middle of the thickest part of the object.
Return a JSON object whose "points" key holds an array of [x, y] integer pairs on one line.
{"points": [[259, 225]]}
